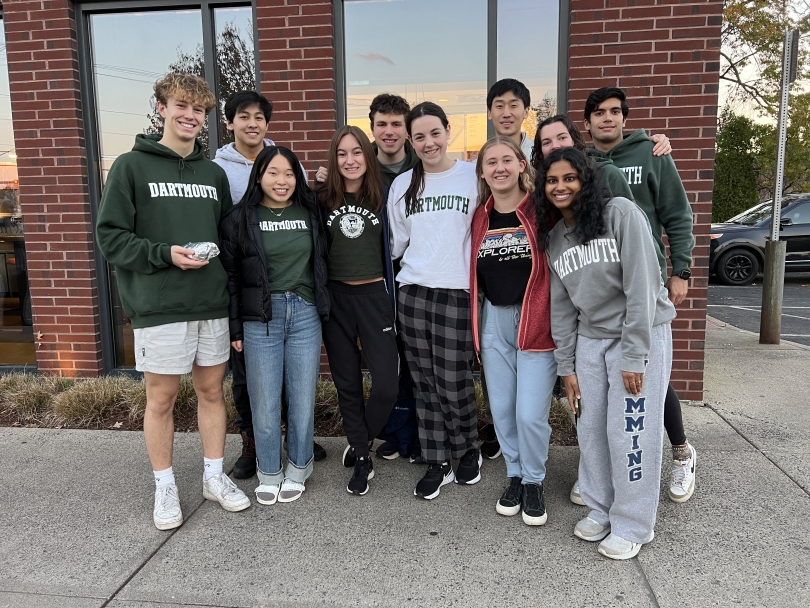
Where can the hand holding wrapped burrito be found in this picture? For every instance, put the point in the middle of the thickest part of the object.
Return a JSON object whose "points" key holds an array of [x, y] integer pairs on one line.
{"points": [[203, 251]]}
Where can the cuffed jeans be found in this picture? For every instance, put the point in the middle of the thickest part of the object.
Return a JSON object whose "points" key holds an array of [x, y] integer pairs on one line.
{"points": [[285, 351], [519, 384]]}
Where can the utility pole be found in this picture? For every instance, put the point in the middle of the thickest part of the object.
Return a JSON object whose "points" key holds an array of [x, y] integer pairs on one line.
{"points": [[770, 323]]}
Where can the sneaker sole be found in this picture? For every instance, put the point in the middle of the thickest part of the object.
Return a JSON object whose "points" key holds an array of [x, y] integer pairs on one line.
{"points": [[345, 452], [688, 495], [169, 525], [622, 556], [576, 499], [475, 479], [234, 508], [449, 479], [364, 492], [506, 511], [393, 456], [495, 455], [595, 537], [534, 521]]}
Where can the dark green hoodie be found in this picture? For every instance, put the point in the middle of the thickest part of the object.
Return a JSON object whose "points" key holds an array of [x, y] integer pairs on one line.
{"points": [[153, 199], [388, 176], [614, 178], [658, 190]]}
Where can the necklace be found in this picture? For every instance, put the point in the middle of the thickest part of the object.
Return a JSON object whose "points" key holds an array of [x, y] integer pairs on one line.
{"points": [[278, 214]]}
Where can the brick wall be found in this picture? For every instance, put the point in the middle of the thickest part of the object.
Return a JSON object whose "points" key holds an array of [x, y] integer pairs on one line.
{"points": [[297, 73], [52, 164], [666, 55]]}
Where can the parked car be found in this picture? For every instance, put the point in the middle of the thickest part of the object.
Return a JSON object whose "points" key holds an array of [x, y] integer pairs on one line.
{"points": [[737, 253]]}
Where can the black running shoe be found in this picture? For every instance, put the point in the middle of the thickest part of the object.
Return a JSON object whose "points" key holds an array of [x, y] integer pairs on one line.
{"points": [[512, 498], [431, 484], [318, 452], [469, 467], [534, 507], [245, 466], [388, 450], [490, 448], [349, 457], [363, 471]]}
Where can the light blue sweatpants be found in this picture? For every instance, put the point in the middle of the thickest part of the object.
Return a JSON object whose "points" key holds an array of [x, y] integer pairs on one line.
{"points": [[621, 436], [519, 385]]}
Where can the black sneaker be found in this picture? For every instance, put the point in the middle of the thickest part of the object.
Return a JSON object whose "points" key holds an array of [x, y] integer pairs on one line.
{"points": [[511, 499], [318, 452], [431, 484], [534, 508], [490, 447], [363, 471], [469, 467], [245, 466], [349, 457], [388, 450]]}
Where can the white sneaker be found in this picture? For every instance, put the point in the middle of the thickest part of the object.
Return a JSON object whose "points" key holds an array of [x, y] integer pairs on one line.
{"points": [[267, 494], [574, 495], [590, 530], [683, 478], [290, 490], [221, 489], [615, 547], [167, 514]]}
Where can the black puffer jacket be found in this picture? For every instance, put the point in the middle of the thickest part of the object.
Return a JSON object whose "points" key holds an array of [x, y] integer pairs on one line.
{"points": [[247, 271]]}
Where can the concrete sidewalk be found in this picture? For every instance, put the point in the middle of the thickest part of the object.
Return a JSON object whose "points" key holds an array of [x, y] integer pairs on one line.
{"points": [[76, 529]]}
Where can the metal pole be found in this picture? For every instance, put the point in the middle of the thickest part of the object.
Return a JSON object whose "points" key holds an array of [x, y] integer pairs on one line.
{"points": [[770, 324]]}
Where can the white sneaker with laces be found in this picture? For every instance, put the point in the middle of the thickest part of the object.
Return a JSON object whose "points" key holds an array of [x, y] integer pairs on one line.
{"points": [[223, 490], [167, 514], [683, 477], [574, 495]]}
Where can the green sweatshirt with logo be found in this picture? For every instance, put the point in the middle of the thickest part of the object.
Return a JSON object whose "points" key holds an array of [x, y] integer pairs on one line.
{"points": [[153, 199], [658, 190]]}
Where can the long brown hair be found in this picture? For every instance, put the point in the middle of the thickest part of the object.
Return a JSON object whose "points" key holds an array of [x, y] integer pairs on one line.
{"points": [[331, 192], [417, 185], [526, 181]]}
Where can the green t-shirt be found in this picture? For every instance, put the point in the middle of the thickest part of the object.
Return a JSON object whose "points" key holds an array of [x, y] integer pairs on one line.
{"points": [[355, 248], [287, 240]]}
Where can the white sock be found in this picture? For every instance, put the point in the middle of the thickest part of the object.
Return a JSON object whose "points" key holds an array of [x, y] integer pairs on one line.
{"points": [[164, 478], [213, 467]]}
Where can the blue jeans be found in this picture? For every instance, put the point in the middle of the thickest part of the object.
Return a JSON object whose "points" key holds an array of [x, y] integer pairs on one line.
{"points": [[519, 385], [285, 351]]}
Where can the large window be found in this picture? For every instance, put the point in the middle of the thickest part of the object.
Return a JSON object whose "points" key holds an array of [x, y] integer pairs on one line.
{"points": [[449, 52], [16, 335], [211, 39]]}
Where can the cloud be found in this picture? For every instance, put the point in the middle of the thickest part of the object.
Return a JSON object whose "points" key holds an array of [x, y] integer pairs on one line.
{"points": [[372, 56]]}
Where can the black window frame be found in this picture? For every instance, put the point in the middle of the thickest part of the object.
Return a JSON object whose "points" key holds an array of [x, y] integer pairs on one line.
{"points": [[84, 10]]}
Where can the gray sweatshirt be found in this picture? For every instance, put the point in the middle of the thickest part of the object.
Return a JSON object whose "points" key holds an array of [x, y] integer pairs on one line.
{"points": [[609, 288], [238, 168]]}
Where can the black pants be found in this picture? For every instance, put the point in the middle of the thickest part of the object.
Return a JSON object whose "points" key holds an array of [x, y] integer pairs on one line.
{"points": [[673, 419], [241, 399], [364, 312]]}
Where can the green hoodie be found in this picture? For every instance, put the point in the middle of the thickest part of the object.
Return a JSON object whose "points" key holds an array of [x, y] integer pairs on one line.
{"points": [[658, 190], [614, 178], [153, 199], [388, 176]]}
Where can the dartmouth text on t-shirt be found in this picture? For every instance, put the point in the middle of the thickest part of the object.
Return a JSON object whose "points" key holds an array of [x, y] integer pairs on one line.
{"points": [[445, 202], [594, 251]]}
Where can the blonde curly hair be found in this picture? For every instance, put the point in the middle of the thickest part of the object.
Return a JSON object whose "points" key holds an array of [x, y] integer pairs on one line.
{"points": [[185, 87]]}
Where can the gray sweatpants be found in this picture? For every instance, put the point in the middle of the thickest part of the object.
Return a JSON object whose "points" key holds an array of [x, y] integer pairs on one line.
{"points": [[621, 436]]}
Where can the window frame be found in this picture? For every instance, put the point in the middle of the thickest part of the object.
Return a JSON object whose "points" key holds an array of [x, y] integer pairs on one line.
{"points": [[84, 10]]}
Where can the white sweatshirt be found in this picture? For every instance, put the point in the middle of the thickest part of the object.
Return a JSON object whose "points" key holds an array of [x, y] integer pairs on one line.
{"points": [[434, 242]]}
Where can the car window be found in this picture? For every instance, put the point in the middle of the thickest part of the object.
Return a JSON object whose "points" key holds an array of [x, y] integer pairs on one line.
{"points": [[753, 215], [800, 214]]}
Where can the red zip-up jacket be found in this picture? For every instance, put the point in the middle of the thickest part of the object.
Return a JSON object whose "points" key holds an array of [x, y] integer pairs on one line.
{"points": [[534, 331]]}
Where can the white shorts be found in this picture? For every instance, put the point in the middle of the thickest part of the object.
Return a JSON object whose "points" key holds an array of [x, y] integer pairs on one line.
{"points": [[172, 348]]}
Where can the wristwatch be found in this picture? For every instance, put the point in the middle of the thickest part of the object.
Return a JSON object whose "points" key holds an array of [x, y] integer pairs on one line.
{"points": [[683, 274]]}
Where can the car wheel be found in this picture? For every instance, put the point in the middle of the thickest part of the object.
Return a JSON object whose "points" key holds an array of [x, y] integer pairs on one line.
{"points": [[738, 267]]}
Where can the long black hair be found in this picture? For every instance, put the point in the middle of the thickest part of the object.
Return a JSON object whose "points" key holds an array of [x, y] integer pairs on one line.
{"points": [[302, 193], [588, 205], [417, 186]]}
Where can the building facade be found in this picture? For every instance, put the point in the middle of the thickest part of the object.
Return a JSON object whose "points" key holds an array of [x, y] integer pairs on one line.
{"points": [[78, 89]]}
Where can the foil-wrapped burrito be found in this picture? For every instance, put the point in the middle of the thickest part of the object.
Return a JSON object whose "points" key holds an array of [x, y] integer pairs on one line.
{"points": [[203, 251]]}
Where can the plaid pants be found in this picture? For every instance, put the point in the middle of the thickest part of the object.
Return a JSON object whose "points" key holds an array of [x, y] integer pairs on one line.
{"points": [[437, 332]]}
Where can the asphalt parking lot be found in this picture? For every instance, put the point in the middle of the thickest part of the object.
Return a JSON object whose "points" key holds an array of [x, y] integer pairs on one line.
{"points": [[740, 306]]}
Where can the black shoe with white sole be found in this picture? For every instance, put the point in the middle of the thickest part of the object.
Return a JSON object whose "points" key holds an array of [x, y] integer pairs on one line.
{"points": [[431, 484], [534, 507], [349, 457], [490, 447], [388, 450], [512, 498], [469, 467], [363, 472]]}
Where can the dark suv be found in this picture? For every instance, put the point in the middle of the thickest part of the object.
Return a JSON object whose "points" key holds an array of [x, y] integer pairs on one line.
{"points": [[737, 251]]}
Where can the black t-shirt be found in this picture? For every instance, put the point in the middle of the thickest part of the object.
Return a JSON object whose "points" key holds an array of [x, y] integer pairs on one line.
{"points": [[504, 260], [355, 247]]}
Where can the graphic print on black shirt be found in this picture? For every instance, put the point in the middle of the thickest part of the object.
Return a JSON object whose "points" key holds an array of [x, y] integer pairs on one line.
{"points": [[504, 260]]}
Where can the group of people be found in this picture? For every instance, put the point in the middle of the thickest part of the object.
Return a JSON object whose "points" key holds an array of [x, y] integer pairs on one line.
{"points": [[543, 258]]}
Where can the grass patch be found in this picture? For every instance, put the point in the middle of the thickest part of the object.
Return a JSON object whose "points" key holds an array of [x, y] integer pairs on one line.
{"points": [[29, 397]]}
